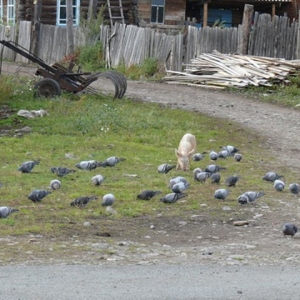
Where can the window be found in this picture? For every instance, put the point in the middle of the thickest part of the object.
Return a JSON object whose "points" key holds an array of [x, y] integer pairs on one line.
{"points": [[11, 12], [1, 11], [61, 19], [157, 11]]}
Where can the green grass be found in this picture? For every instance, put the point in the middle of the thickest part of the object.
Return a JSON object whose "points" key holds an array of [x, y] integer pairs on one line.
{"points": [[96, 127]]}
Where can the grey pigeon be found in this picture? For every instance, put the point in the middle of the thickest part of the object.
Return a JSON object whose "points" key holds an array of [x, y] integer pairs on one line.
{"points": [[172, 197], [201, 176], [111, 161], [98, 179], [147, 194], [279, 185], [55, 184], [108, 200], [232, 180], [271, 176], [198, 156], [294, 188], [38, 195], [230, 149], [221, 194], [249, 197], [215, 178], [87, 165], [223, 153], [238, 157], [175, 180], [289, 229], [5, 211], [214, 169], [61, 171], [197, 170], [26, 167], [180, 187], [165, 168], [82, 201], [213, 155]]}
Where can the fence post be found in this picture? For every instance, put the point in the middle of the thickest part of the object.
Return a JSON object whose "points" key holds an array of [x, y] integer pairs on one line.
{"points": [[298, 39], [246, 28]]}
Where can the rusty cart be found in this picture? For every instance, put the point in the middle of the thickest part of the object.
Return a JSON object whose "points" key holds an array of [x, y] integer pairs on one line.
{"points": [[57, 77]]}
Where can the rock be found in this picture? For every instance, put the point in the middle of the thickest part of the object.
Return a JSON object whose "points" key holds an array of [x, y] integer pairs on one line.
{"points": [[240, 223]]}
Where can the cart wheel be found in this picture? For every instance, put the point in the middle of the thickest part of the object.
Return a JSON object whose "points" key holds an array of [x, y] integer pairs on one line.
{"points": [[47, 87]]}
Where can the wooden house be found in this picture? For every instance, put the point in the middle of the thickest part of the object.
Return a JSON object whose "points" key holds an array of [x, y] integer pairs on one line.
{"points": [[164, 14]]}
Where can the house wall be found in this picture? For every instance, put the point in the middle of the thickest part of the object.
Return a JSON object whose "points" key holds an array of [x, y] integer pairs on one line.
{"points": [[48, 15], [174, 12]]}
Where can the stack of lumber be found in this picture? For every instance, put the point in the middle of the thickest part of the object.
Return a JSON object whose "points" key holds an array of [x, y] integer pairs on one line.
{"points": [[233, 70]]}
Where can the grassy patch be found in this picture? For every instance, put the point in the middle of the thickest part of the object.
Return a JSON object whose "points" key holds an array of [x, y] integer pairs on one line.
{"points": [[95, 127]]}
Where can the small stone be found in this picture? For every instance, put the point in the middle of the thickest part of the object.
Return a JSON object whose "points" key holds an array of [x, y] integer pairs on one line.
{"points": [[203, 205], [152, 226], [226, 208], [87, 224], [240, 223]]}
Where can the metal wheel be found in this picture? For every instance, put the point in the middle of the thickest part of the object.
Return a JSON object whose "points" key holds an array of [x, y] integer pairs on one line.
{"points": [[47, 87]]}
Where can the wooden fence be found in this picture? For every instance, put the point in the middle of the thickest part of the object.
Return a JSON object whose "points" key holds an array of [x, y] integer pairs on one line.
{"points": [[128, 44]]}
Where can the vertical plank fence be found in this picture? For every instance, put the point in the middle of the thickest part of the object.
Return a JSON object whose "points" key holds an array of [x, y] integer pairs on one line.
{"points": [[131, 45]]}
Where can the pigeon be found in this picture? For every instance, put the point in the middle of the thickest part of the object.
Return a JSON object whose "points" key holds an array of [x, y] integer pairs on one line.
{"points": [[214, 169], [175, 180], [249, 197], [232, 180], [289, 229], [82, 201], [165, 168], [279, 185], [230, 149], [55, 184], [108, 200], [172, 197], [147, 194], [111, 161], [238, 157], [98, 179], [197, 170], [180, 187], [271, 176], [215, 178], [26, 167], [61, 171], [294, 188], [87, 165], [221, 194], [223, 154], [213, 155], [38, 195], [201, 176], [5, 211], [198, 156]]}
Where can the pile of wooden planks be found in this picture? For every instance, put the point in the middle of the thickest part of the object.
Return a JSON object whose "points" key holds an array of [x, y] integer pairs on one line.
{"points": [[233, 70]]}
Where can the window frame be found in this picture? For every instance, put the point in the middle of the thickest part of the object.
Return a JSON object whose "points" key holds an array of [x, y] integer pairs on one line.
{"points": [[158, 4], [11, 8], [63, 22], [1, 11]]}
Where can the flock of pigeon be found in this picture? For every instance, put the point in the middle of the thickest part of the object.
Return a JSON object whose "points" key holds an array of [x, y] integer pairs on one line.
{"points": [[178, 185], [37, 195]]}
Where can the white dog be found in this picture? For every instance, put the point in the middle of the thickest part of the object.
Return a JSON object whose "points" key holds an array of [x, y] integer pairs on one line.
{"points": [[186, 149]]}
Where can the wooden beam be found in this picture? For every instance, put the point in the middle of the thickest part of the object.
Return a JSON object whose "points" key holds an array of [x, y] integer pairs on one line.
{"points": [[246, 28], [273, 11], [36, 26], [205, 14]]}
